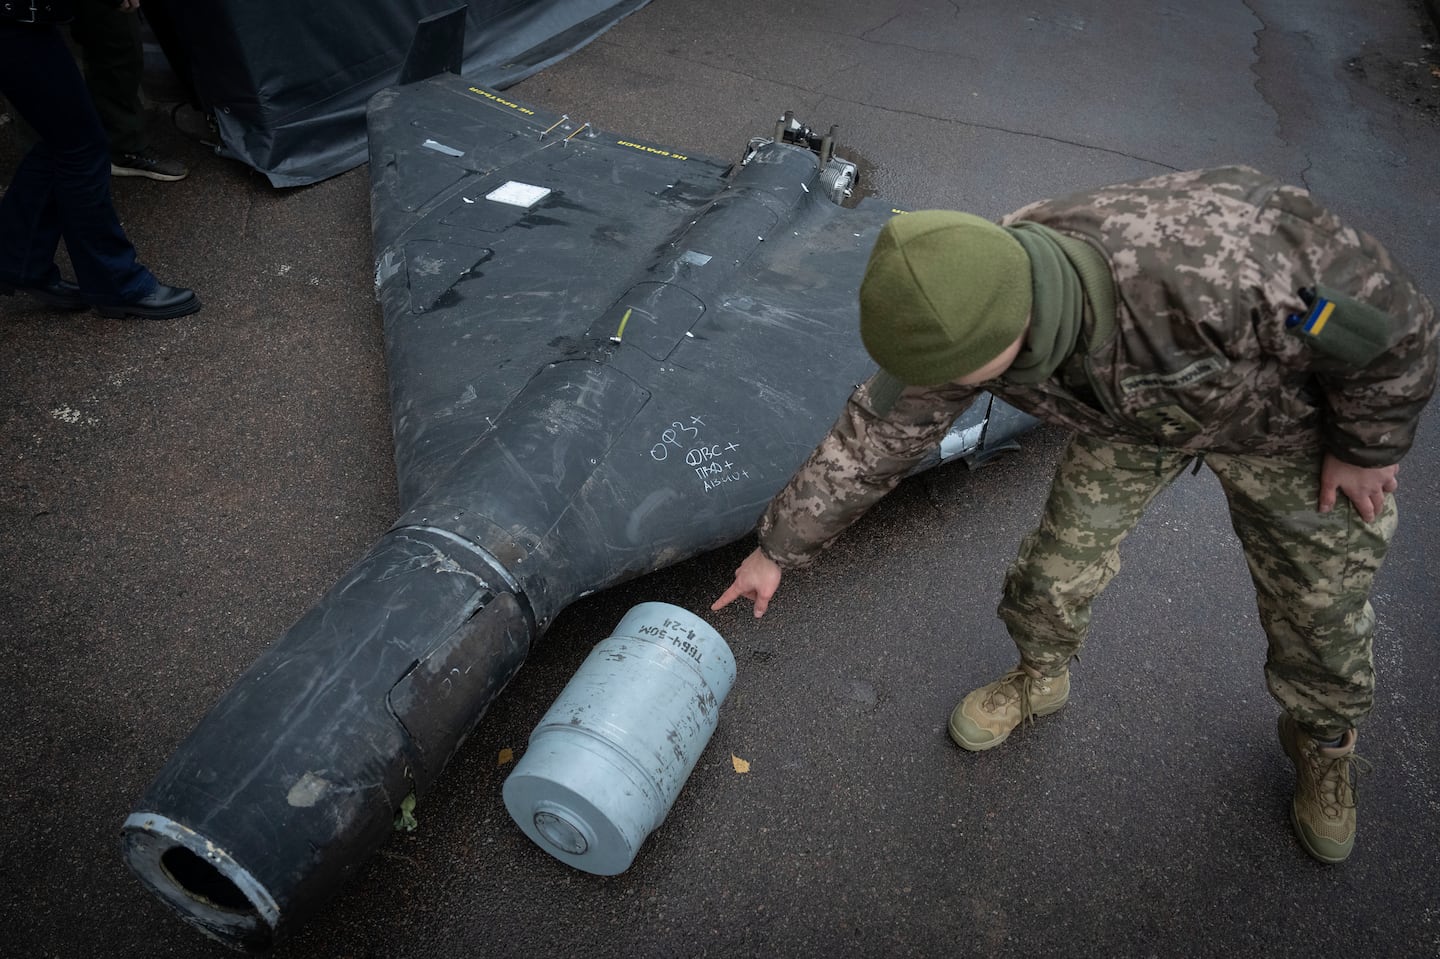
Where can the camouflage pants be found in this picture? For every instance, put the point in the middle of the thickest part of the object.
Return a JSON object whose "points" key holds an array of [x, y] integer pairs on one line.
{"points": [[1312, 571]]}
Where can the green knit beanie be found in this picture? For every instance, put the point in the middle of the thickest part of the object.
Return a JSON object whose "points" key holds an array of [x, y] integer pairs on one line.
{"points": [[944, 294]]}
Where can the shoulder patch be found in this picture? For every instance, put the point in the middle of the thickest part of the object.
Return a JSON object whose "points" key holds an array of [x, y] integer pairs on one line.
{"points": [[1339, 326]]}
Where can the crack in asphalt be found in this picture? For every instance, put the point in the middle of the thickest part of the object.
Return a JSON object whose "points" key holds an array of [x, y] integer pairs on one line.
{"points": [[972, 124], [1257, 57], [865, 37], [1001, 129], [1261, 85]]}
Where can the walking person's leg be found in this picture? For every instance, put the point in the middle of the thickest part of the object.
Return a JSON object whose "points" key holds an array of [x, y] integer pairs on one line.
{"points": [[114, 60], [63, 185]]}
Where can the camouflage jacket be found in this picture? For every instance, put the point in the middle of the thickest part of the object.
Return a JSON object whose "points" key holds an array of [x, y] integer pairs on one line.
{"points": [[1207, 266]]}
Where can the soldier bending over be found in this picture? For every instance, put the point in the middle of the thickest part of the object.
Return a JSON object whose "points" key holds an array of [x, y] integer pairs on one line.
{"points": [[1215, 315]]}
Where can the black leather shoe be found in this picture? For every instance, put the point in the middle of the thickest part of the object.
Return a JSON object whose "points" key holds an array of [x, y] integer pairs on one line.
{"points": [[59, 295], [163, 303]]}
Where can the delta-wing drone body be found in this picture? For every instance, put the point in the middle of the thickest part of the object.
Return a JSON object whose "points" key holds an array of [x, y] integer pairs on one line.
{"points": [[604, 357]]}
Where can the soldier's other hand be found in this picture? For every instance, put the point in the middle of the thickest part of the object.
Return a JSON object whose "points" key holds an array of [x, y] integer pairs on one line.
{"points": [[756, 579], [1364, 486], [129, 6]]}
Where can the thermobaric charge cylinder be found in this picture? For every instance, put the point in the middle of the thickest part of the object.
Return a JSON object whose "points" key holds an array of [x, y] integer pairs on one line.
{"points": [[607, 760]]}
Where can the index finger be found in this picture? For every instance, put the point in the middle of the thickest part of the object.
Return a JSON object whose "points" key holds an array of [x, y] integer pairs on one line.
{"points": [[727, 597]]}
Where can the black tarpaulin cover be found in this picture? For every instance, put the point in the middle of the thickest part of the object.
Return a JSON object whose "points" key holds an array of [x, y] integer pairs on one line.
{"points": [[288, 82]]}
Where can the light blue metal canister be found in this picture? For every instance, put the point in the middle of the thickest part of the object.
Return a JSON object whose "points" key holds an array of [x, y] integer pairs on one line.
{"points": [[608, 759]]}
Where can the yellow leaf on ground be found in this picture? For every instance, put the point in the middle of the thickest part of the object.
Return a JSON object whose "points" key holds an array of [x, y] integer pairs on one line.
{"points": [[741, 765], [507, 756]]}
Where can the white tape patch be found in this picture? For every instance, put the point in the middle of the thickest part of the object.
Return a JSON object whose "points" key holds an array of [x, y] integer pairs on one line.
{"points": [[516, 193]]}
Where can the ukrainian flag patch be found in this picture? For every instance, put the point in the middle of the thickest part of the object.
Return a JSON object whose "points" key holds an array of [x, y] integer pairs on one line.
{"points": [[1319, 315], [1342, 327]]}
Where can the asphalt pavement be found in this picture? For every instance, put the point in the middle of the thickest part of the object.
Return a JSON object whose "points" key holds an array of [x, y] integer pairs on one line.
{"points": [[174, 494]]}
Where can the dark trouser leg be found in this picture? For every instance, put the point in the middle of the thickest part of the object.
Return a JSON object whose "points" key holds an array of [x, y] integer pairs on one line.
{"points": [[30, 221], [62, 188], [161, 18], [109, 41], [1099, 493], [1312, 575]]}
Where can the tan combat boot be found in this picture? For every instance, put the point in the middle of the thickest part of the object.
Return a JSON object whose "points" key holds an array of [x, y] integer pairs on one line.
{"points": [[1323, 811], [985, 718]]}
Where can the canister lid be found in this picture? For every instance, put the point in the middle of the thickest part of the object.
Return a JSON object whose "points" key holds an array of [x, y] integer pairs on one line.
{"points": [[573, 828], [558, 826]]}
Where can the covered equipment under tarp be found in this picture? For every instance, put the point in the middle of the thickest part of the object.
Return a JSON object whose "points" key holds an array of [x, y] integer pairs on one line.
{"points": [[288, 82]]}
